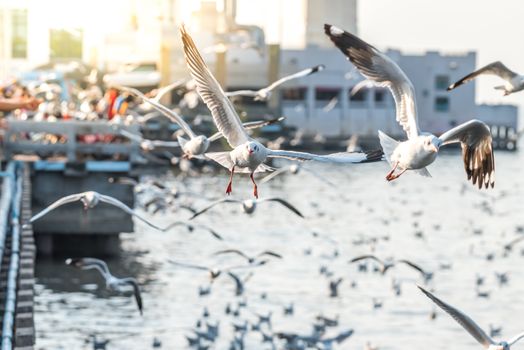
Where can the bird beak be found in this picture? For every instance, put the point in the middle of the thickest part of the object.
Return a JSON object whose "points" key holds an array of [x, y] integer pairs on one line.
{"points": [[250, 151], [434, 148]]}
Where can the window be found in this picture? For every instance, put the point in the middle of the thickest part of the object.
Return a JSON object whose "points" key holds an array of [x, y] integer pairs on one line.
{"points": [[19, 39], [360, 96], [441, 82], [66, 43], [294, 94], [442, 104], [380, 95], [326, 94]]}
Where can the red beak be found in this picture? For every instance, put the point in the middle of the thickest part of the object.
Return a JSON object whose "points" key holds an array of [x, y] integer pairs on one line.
{"points": [[250, 151]]}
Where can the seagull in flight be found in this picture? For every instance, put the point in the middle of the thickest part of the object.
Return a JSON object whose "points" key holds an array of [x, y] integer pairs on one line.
{"points": [[265, 93], [471, 327], [197, 145], [215, 272], [421, 149], [112, 282], [249, 205], [148, 145], [90, 199], [248, 155], [386, 265], [191, 227], [250, 259], [513, 81]]}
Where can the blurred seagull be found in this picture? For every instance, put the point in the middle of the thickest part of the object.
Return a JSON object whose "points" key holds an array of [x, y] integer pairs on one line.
{"points": [[265, 93], [90, 199], [249, 205], [471, 327], [112, 282], [191, 227], [148, 145], [197, 145], [513, 81], [215, 272], [250, 259], [248, 155], [385, 266], [420, 149]]}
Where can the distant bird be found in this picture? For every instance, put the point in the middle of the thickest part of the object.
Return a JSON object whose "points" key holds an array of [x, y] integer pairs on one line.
{"points": [[265, 93], [250, 259], [249, 205], [513, 81], [386, 265], [248, 155], [112, 282], [471, 327], [509, 246], [197, 145], [215, 272], [90, 199], [294, 169], [191, 227], [148, 145], [333, 287], [421, 149], [239, 282]]}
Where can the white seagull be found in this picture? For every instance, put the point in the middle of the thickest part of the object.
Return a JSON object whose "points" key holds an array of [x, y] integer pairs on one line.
{"points": [[513, 81], [249, 205], [471, 327], [90, 199], [248, 155], [197, 145], [265, 93], [112, 282], [420, 149]]}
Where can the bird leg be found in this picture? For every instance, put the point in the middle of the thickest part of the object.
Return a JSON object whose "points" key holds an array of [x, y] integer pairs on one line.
{"points": [[230, 184], [392, 176], [255, 188]]}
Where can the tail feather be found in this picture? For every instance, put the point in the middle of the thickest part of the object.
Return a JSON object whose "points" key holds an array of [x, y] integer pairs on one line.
{"points": [[388, 145]]}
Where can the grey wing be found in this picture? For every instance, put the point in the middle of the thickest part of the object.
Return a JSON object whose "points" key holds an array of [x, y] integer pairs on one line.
{"points": [[189, 266], [284, 203], [477, 151], [222, 110], [381, 69], [212, 205], [58, 203], [270, 253], [165, 89], [161, 143], [90, 263], [465, 321], [136, 289], [119, 204], [341, 157], [495, 68], [211, 231], [365, 257], [248, 126], [363, 84], [131, 136], [302, 73], [170, 114], [229, 251], [515, 339], [239, 286], [251, 93], [413, 265]]}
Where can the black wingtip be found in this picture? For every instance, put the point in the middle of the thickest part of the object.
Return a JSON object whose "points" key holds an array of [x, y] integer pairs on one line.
{"points": [[451, 87], [317, 68], [374, 156]]}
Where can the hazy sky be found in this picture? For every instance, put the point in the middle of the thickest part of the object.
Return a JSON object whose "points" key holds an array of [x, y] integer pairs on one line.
{"points": [[495, 29]]}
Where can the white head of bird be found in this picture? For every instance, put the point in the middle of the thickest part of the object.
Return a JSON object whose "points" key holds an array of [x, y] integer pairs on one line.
{"points": [[198, 145], [429, 144], [90, 199], [294, 168], [249, 206]]}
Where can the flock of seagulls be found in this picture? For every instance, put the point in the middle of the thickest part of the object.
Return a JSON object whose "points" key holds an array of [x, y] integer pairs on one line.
{"points": [[248, 155]]}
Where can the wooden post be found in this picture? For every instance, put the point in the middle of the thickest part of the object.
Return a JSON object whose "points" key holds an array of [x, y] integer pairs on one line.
{"points": [[273, 73]]}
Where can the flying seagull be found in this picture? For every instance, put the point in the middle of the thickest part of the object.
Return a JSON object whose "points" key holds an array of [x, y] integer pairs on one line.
{"points": [[215, 272], [248, 155], [385, 266], [420, 149], [112, 282], [471, 327], [250, 259], [249, 205], [197, 145], [513, 81], [90, 199], [191, 227], [265, 93], [148, 145]]}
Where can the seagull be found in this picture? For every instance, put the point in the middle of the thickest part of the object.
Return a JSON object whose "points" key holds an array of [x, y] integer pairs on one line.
{"points": [[197, 145], [420, 149], [248, 155], [385, 266], [191, 227], [265, 93], [215, 272], [249, 205], [514, 81], [112, 282], [250, 259], [294, 169], [90, 199], [471, 327], [148, 145]]}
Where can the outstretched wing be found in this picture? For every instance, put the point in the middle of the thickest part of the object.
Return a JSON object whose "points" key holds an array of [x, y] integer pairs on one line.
{"points": [[58, 203], [413, 265], [270, 253], [224, 114], [225, 200], [232, 251], [495, 68], [248, 126], [515, 339], [365, 257], [377, 67], [284, 203], [90, 263], [302, 73], [341, 157], [119, 204], [250, 93], [477, 151], [166, 89], [136, 291], [465, 321]]}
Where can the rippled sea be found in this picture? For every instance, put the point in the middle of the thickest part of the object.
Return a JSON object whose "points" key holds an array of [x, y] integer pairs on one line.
{"points": [[443, 224]]}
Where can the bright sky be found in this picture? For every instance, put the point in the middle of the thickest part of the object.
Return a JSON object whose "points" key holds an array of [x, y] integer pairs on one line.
{"points": [[491, 28]]}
